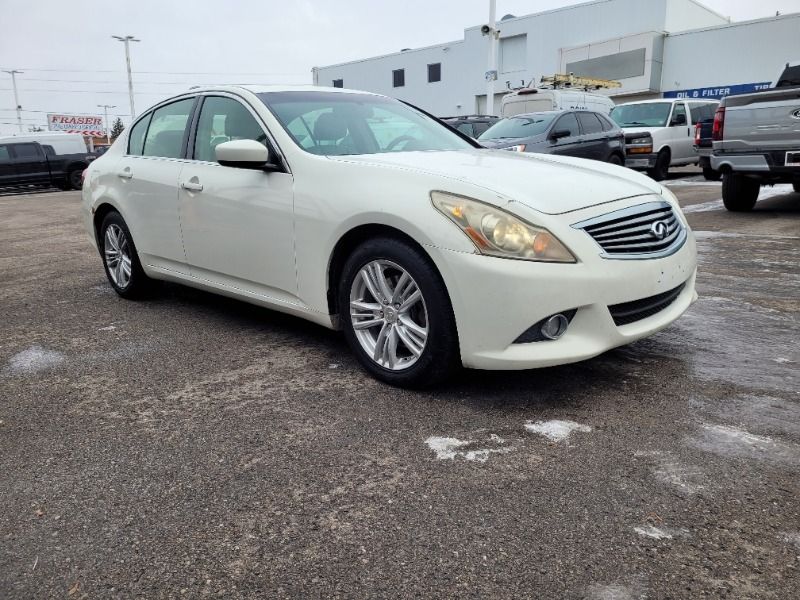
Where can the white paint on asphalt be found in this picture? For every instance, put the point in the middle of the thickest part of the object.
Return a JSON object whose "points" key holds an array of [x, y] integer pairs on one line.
{"points": [[450, 448], [556, 430], [34, 359]]}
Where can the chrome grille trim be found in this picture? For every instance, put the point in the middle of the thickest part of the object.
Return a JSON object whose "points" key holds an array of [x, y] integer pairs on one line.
{"points": [[625, 233]]}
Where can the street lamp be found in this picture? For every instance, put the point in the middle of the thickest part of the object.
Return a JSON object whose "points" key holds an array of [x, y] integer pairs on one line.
{"points": [[105, 108], [127, 40], [17, 106]]}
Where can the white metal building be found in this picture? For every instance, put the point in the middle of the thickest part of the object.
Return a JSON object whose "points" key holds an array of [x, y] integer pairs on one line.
{"points": [[653, 47]]}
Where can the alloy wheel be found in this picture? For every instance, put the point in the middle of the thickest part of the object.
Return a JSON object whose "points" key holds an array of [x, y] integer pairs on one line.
{"points": [[117, 254], [388, 314]]}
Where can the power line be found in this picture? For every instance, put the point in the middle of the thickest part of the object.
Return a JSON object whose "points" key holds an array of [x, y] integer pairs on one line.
{"points": [[261, 73]]}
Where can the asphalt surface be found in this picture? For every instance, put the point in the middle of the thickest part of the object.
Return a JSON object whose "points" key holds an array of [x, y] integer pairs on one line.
{"points": [[194, 446]]}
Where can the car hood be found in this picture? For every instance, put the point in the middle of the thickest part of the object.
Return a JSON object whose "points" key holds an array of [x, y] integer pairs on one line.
{"points": [[506, 142], [630, 131], [546, 183]]}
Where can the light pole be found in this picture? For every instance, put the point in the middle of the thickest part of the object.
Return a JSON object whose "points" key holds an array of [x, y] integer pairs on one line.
{"points": [[105, 108], [491, 72], [17, 106], [127, 40]]}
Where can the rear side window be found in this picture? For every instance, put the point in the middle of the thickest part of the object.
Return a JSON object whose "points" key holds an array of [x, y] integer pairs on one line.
{"points": [[136, 137], [4, 154], [605, 122], [167, 130], [568, 123], [224, 120], [589, 123], [26, 151]]}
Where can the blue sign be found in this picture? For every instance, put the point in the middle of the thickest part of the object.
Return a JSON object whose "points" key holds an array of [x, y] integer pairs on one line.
{"points": [[715, 93]]}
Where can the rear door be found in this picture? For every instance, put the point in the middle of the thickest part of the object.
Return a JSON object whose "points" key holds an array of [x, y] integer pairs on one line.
{"points": [[30, 164], [594, 144], [571, 144], [147, 183]]}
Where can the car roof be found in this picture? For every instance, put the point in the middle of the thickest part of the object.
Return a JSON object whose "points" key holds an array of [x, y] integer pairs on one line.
{"points": [[260, 89]]}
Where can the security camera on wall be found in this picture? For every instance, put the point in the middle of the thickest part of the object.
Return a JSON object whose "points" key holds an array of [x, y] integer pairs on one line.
{"points": [[485, 30]]}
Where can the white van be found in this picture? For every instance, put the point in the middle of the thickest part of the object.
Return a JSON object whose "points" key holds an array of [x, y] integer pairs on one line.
{"points": [[528, 100], [61, 143], [659, 134]]}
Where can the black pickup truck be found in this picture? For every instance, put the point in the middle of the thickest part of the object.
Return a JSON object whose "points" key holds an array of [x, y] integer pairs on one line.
{"points": [[35, 164]]}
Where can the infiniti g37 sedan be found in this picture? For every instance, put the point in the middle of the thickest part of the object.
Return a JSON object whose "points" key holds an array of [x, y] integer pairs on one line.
{"points": [[362, 213]]}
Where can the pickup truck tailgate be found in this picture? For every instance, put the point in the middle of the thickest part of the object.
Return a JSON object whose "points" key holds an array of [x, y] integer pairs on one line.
{"points": [[762, 121]]}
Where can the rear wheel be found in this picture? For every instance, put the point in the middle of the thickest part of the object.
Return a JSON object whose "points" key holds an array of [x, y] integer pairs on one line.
{"points": [[739, 193], [711, 175], [661, 169], [121, 262], [74, 179], [396, 314]]}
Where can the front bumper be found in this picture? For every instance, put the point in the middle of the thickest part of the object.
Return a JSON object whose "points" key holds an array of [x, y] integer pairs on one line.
{"points": [[495, 300], [640, 161]]}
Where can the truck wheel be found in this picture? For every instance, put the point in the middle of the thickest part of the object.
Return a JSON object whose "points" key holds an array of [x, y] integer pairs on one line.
{"points": [[796, 186], [616, 159], [711, 175], [661, 169], [74, 179], [739, 193]]}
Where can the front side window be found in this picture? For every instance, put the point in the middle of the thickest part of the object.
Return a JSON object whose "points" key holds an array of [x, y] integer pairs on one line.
{"points": [[645, 114], [569, 122], [336, 123], [678, 112], [466, 129], [167, 130], [26, 151], [522, 126], [398, 77], [434, 72], [224, 120], [136, 136]]}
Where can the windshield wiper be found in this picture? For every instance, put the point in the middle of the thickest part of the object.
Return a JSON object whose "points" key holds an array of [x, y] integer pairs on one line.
{"points": [[635, 123]]}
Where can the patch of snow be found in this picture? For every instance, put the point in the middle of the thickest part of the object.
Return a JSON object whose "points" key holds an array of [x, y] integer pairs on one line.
{"points": [[449, 448], [703, 206], [667, 469], [556, 430], [109, 328], [660, 533], [34, 359]]}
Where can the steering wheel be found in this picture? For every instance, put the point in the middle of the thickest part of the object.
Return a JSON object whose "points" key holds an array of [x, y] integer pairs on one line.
{"points": [[395, 141]]}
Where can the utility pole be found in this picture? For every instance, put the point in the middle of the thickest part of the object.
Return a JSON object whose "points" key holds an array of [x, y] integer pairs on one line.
{"points": [[105, 108], [127, 40], [491, 73], [17, 106]]}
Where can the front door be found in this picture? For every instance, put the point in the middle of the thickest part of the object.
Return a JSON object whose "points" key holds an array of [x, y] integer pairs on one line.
{"points": [[680, 133], [238, 226], [30, 163], [569, 145]]}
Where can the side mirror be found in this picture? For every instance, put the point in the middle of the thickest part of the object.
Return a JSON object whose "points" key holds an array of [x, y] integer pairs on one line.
{"points": [[678, 120], [561, 133], [245, 154]]}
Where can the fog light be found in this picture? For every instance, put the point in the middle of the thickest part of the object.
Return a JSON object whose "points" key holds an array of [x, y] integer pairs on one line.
{"points": [[554, 327]]}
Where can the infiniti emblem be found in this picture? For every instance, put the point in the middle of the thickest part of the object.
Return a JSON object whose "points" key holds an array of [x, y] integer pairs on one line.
{"points": [[659, 230]]}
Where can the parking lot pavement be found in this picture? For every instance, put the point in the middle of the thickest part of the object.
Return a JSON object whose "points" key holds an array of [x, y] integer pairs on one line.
{"points": [[195, 446]]}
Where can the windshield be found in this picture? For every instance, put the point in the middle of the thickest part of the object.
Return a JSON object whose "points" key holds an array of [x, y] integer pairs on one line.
{"points": [[522, 126], [647, 114], [339, 124]]}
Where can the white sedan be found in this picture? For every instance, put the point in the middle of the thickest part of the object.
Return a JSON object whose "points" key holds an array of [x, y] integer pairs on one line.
{"points": [[361, 213]]}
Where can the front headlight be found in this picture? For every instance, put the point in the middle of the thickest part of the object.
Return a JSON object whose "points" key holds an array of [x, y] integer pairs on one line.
{"points": [[498, 233], [517, 148]]}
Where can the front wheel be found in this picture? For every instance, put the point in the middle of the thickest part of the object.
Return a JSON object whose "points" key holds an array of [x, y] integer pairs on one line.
{"points": [[121, 262], [660, 170], [396, 314], [615, 159], [739, 193]]}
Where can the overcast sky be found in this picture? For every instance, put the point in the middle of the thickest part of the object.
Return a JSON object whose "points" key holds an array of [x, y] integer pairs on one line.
{"points": [[71, 63]]}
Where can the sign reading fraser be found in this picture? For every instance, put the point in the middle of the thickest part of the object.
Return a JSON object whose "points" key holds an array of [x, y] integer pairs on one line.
{"points": [[87, 125]]}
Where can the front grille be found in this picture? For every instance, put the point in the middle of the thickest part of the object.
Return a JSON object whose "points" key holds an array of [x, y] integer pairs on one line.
{"points": [[646, 230], [630, 312]]}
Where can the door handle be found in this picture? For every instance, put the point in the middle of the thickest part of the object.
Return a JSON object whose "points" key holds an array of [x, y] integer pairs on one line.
{"points": [[191, 186], [125, 173]]}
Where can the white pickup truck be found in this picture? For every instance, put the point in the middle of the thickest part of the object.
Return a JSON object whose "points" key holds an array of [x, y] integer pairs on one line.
{"points": [[756, 140]]}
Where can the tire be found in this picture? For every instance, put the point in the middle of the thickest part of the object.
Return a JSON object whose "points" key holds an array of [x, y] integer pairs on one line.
{"points": [[739, 193], [661, 169], [74, 179], [130, 282], [616, 159], [394, 330], [711, 175], [796, 186]]}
